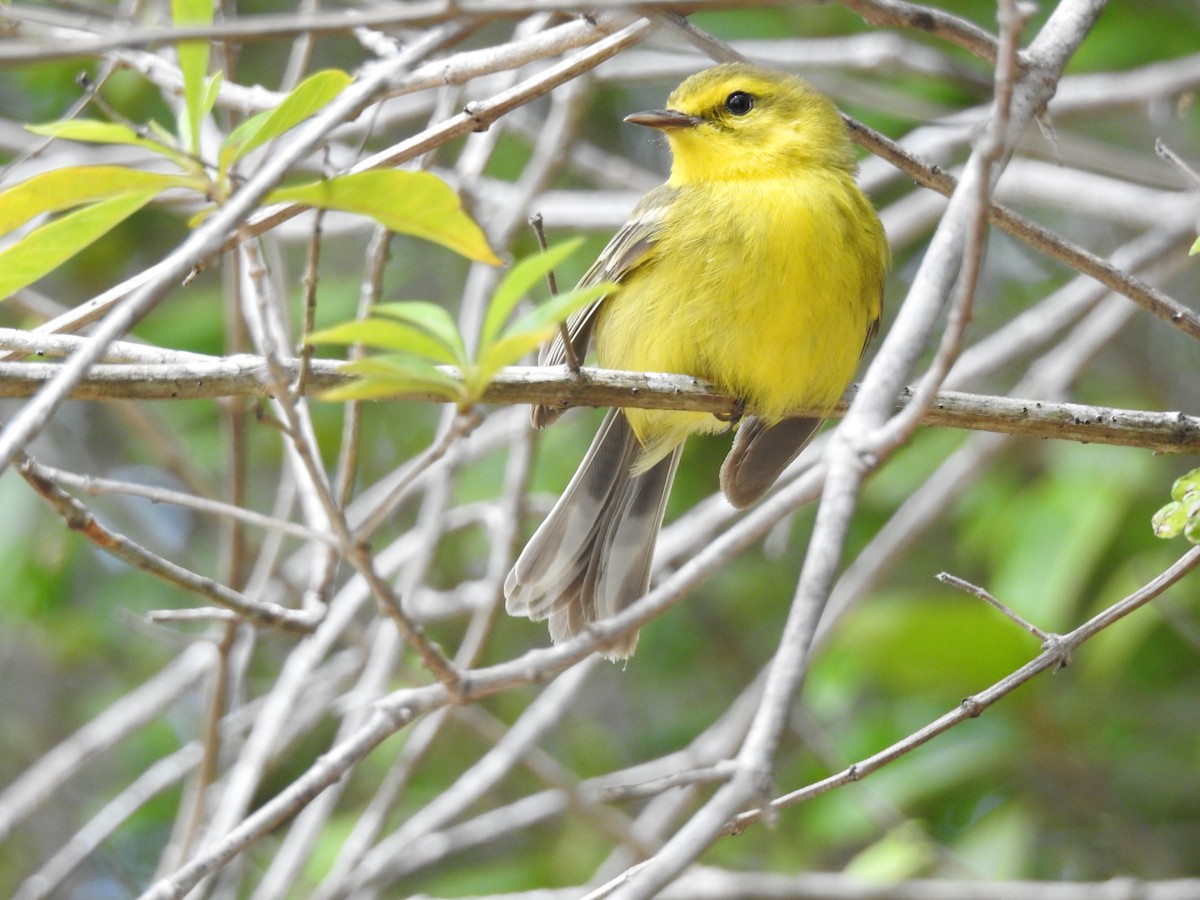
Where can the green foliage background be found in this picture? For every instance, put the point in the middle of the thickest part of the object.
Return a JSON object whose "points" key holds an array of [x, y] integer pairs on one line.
{"points": [[1091, 774]]}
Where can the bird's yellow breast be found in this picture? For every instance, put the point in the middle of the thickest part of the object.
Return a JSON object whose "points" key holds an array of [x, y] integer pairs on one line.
{"points": [[770, 299]]}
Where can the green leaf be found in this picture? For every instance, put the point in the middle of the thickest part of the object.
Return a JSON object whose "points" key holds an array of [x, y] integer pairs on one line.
{"points": [[94, 132], [64, 188], [518, 282], [46, 248], [1182, 514], [415, 203], [431, 318], [383, 334], [1186, 484], [387, 376], [1168, 522], [307, 97], [534, 328], [504, 352], [1191, 528], [212, 92], [1195, 248], [559, 308], [193, 64]]}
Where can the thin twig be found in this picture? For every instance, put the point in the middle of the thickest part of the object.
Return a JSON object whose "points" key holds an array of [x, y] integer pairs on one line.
{"points": [[210, 740], [301, 446], [289, 25], [1050, 658], [95, 486], [461, 426], [1174, 159], [963, 585], [311, 268], [930, 20], [194, 614], [55, 768], [77, 517], [568, 345], [1153, 300], [160, 775], [706, 43], [992, 146]]}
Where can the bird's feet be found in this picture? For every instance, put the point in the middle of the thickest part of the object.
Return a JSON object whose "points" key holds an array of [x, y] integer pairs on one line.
{"points": [[735, 415]]}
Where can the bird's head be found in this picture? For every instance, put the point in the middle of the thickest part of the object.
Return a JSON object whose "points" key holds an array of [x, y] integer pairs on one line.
{"points": [[740, 121]]}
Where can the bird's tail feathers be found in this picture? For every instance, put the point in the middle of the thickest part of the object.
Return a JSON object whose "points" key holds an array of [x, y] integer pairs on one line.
{"points": [[591, 557]]}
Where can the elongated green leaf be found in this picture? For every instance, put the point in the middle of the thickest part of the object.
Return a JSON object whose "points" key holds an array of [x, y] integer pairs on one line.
{"points": [[64, 188], [370, 389], [387, 376], [94, 132], [558, 309], [504, 352], [46, 248], [532, 330], [307, 97], [383, 334], [429, 317], [1195, 248], [518, 282], [415, 203], [212, 92], [193, 63], [89, 130]]}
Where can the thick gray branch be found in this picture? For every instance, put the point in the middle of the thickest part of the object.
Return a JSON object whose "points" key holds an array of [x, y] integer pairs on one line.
{"points": [[247, 376]]}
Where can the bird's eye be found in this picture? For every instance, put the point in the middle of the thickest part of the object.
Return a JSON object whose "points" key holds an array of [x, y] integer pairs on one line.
{"points": [[739, 103]]}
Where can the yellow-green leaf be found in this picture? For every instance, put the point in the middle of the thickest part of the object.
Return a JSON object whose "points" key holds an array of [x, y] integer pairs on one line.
{"points": [[506, 351], [1195, 248], [534, 328], [46, 248], [193, 64], [383, 334], [1191, 528], [92, 131], [393, 374], [416, 203], [1186, 484], [518, 282], [64, 188], [212, 92], [431, 318], [1169, 521], [307, 97], [559, 308]]}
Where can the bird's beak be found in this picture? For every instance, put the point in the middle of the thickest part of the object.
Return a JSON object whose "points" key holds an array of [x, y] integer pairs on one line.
{"points": [[663, 119]]}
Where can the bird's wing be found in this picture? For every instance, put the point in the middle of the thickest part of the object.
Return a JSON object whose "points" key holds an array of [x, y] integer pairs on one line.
{"points": [[632, 246], [761, 452]]}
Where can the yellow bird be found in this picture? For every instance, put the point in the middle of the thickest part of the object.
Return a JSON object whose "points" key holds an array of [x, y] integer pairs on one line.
{"points": [[758, 267]]}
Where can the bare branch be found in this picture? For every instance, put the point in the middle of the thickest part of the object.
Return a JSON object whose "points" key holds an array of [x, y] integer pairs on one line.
{"points": [[1051, 657], [77, 517], [1162, 432], [930, 20], [58, 765]]}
